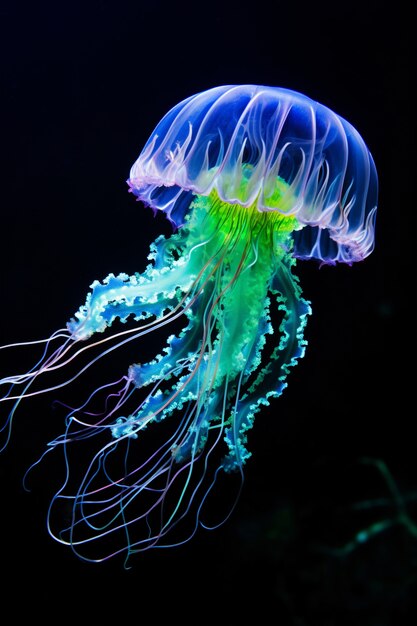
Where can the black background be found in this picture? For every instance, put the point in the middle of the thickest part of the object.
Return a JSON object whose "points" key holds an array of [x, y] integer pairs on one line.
{"points": [[84, 84]]}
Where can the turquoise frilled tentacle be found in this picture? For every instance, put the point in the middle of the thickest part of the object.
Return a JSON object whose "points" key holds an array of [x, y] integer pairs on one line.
{"points": [[270, 380]]}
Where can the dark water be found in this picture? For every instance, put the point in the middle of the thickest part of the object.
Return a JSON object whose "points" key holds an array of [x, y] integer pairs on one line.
{"points": [[84, 84]]}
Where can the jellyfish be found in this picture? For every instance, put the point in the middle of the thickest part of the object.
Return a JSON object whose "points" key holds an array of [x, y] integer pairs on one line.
{"points": [[252, 179]]}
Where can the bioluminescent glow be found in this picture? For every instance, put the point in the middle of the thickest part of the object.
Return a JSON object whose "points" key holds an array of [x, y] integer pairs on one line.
{"points": [[252, 179]]}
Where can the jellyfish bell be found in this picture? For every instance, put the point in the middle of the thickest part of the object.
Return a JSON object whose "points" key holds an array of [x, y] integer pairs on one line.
{"points": [[269, 148], [252, 178]]}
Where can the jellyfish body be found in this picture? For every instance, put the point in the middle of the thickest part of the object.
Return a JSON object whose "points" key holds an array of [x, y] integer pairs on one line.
{"points": [[252, 178]]}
